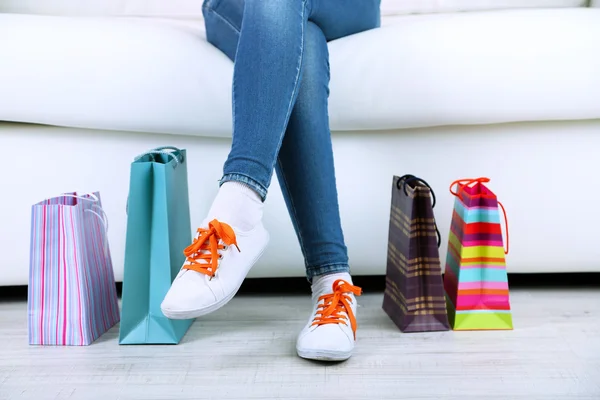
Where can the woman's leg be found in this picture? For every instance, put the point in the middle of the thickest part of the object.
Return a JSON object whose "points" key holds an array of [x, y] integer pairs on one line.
{"points": [[299, 141], [280, 108], [305, 159], [305, 166], [268, 70], [306, 174]]}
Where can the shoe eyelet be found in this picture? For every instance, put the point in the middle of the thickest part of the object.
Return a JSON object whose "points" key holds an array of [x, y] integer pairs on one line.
{"points": [[220, 256], [225, 248]]}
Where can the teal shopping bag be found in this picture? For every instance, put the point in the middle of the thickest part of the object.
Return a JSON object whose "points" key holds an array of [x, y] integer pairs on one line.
{"points": [[158, 229]]}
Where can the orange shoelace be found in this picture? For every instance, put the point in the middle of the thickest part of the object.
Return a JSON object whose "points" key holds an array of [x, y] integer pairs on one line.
{"points": [[336, 303], [203, 254]]}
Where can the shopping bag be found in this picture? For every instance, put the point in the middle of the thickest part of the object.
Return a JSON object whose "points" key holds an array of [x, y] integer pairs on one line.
{"points": [[72, 298], [414, 293], [158, 229], [475, 279]]}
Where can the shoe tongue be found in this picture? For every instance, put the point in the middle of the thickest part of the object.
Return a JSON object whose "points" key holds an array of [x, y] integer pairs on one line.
{"points": [[324, 288], [324, 284]]}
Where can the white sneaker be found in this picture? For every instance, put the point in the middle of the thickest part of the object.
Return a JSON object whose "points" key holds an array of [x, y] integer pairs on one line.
{"points": [[217, 263], [330, 333]]}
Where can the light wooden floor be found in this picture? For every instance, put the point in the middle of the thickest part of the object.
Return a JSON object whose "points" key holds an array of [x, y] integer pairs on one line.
{"points": [[246, 351]]}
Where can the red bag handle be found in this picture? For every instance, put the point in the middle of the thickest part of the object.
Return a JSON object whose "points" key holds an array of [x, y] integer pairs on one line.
{"points": [[469, 181], [466, 182]]}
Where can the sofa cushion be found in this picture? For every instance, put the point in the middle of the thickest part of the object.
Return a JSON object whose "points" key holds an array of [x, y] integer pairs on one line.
{"points": [[189, 9], [192, 9], [444, 69], [469, 68], [401, 7]]}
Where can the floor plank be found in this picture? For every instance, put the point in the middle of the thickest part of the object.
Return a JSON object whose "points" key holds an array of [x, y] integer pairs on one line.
{"points": [[246, 351]]}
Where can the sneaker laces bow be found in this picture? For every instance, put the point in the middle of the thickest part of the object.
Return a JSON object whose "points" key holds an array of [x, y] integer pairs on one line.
{"points": [[203, 254]]}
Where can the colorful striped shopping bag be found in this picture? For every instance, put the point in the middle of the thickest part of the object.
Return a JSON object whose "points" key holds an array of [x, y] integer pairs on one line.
{"points": [[414, 292], [72, 298], [475, 279]]}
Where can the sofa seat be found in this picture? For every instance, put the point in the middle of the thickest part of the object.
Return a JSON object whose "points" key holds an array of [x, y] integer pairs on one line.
{"points": [[151, 75]]}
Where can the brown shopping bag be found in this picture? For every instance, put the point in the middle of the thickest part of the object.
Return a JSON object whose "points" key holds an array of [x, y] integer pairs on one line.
{"points": [[414, 295]]}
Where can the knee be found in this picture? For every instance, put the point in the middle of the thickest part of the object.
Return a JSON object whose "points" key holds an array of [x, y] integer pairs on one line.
{"points": [[223, 20], [211, 5], [274, 13], [208, 4]]}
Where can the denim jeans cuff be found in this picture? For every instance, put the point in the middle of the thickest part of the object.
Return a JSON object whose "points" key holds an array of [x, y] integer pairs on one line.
{"points": [[311, 272], [260, 189]]}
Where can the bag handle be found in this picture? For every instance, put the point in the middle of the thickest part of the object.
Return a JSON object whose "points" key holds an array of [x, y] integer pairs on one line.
{"points": [[506, 225], [466, 182], [411, 178], [102, 215], [165, 150], [469, 181], [168, 151]]}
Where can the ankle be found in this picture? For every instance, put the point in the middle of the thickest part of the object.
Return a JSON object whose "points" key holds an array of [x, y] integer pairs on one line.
{"points": [[238, 205], [242, 189]]}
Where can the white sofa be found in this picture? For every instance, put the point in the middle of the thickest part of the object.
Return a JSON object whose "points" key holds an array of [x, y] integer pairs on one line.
{"points": [[508, 89]]}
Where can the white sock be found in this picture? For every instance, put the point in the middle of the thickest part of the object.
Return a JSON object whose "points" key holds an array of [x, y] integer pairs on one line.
{"points": [[323, 284], [238, 205]]}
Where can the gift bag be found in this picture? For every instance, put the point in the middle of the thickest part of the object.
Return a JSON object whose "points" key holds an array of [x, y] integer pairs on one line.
{"points": [[158, 229], [475, 279], [414, 294], [72, 298]]}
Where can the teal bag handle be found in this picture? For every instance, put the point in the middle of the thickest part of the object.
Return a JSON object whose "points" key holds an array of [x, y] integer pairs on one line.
{"points": [[169, 151]]}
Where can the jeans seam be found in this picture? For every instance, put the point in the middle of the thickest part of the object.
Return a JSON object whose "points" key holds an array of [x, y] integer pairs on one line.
{"points": [[236, 30], [222, 18], [292, 204], [294, 93]]}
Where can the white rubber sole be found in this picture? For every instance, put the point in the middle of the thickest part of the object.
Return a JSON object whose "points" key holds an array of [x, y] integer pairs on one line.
{"points": [[190, 314], [199, 312], [322, 355]]}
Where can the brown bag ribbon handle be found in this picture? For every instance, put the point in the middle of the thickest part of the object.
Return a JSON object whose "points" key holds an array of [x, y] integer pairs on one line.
{"points": [[411, 178]]}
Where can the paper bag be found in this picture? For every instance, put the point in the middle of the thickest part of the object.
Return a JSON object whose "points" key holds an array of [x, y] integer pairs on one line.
{"points": [[158, 229], [72, 298], [414, 294], [475, 278]]}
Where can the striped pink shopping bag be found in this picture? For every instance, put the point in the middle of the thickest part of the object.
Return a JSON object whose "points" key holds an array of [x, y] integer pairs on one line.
{"points": [[72, 297]]}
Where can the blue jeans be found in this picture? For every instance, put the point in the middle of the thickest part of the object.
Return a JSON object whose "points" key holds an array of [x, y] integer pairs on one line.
{"points": [[280, 99]]}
